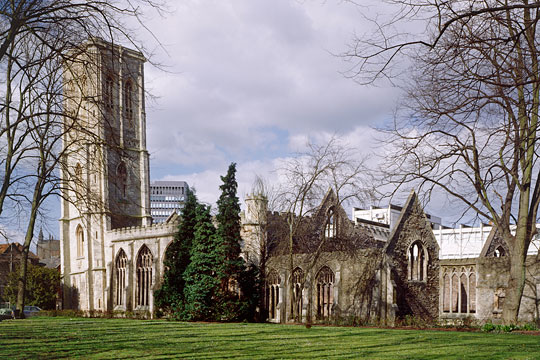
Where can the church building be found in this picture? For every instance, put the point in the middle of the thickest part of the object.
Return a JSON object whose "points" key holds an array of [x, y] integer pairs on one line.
{"points": [[342, 270]]}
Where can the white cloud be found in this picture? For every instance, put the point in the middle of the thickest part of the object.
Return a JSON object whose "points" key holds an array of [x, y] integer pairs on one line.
{"points": [[248, 77]]}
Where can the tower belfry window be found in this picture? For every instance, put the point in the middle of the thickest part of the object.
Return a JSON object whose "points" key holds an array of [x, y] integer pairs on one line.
{"points": [[108, 93], [121, 174], [128, 100], [79, 234], [79, 181]]}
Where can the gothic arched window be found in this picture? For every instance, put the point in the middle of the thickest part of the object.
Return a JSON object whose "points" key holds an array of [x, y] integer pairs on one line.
{"points": [[79, 235], [472, 291], [325, 292], [446, 292], [272, 293], [298, 286], [128, 100], [120, 267], [499, 251], [121, 175], [144, 276], [418, 259], [108, 93], [331, 227], [463, 292]]}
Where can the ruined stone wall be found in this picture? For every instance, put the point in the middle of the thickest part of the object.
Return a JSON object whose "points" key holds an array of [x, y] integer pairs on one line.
{"points": [[484, 302], [357, 292], [416, 295]]}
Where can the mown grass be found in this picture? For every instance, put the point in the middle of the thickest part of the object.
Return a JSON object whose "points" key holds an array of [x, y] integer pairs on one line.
{"points": [[60, 337]]}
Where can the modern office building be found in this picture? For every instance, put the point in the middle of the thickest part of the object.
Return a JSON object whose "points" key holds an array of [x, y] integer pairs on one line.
{"points": [[166, 197]]}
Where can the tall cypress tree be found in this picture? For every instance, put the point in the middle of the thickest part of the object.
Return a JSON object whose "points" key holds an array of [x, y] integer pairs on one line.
{"points": [[202, 282], [237, 286], [228, 219], [170, 297]]}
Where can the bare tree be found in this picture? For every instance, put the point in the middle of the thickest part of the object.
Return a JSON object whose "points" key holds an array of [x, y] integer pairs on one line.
{"points": [[263, 200], [307, 178], [36, 130], [471, 113]]}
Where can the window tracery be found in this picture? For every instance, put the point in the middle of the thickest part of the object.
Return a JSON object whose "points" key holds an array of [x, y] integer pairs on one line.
{"points": [[144, 276], [120, 277], [325, 292], [298, 286], [272, 294], [459, 290], [331, 227], [418, 259]]}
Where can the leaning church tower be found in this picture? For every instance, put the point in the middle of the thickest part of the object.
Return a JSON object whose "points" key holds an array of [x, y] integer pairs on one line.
{"points": [[105, 172]]}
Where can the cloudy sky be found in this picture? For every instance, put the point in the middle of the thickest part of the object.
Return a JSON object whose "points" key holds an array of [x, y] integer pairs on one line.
{"points": [[250, 81]]}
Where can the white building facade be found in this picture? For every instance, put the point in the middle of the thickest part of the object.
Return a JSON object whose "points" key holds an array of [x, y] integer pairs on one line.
{"points": [[166, 198]]}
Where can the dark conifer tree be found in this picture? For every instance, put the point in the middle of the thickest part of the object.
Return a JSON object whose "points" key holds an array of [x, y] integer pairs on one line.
{"points": [[237, 285], [170, 297], [202, 282], [228, 219]]}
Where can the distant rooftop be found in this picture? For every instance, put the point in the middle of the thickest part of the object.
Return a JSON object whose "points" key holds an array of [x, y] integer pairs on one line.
{"points": [[169, 183]]}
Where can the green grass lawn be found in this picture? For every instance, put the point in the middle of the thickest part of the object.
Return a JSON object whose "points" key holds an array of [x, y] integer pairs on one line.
{"points": [[62, 337]]}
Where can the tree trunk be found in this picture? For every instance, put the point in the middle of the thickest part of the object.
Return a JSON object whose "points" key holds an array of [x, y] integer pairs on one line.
{"points": [[516, 281], [21, 288], [292, 296], [36, 201]]}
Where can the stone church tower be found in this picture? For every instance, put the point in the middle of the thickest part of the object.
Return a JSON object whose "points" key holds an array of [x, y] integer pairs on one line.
{"points": [[106, 171]]}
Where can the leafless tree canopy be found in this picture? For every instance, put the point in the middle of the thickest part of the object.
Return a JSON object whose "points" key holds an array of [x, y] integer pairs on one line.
{"points": [[468, 125], [307, 177]]}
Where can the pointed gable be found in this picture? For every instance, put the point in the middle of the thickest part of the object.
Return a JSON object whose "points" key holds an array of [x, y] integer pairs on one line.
{"points": [[413, 255], [329, 226], [495, 245], [412, 221]]}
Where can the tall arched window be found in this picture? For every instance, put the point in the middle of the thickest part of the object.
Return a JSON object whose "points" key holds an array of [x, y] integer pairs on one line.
{"points": [[459, 291], [128, 100], [472, 291], [463, 288], [121, 175], [298, 286], [272, 293], [144, 276], [330, 229], [325, 292], [446, 292], [455, 293], [120, 267], [79, 234], [108, 92], [417, 262]]}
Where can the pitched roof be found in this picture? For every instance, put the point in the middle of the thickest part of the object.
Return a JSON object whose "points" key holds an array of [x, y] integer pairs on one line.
{"points": [[408, 208], [4, 249]]}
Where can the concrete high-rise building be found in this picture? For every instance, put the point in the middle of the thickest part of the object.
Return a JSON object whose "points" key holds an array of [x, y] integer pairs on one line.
{"points": [[167, 197]]}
